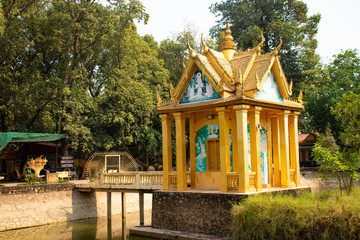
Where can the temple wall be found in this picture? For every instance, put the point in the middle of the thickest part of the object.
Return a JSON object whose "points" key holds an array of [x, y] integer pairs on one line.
{"points": [[205, 213], [207, 180], [27, 206]]}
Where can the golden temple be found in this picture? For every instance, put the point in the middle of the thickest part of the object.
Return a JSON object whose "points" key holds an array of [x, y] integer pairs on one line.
{"points": [[243, 126]]}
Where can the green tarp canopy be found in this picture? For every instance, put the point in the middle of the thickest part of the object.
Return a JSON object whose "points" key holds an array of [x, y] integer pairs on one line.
{"points": [[7, 137]]}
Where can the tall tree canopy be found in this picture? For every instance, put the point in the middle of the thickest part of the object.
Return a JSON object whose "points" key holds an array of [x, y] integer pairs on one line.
{"points": [[286, 19], [175, 53], [80, 68], [326, 88]]}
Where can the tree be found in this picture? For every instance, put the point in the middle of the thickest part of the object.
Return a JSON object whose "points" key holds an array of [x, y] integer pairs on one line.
{"points": [[325, 87], [342, 164], [125, 118], [348, 112], [17, 72], [80, 68], [175, 53], [286, 19]]}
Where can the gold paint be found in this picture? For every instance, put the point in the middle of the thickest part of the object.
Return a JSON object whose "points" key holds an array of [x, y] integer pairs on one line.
{"points": [[206, 49]]}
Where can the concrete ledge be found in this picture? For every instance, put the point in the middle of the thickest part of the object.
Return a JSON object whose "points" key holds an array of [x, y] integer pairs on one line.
{"points": [[169, 234], [40, 188], [202, 212]]}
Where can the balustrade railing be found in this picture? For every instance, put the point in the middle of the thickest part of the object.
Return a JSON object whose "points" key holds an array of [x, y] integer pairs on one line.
{"points": [[252, 186], [135, 179], [292, 176], [173, 180], [233, 181], [142, 179]]}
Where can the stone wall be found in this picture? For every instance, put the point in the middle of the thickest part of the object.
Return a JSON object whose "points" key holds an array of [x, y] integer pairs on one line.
{"points": [[206, 213], [26, 206]]}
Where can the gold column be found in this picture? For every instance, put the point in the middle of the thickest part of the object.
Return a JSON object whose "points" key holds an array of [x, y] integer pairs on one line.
{"points": [[192, 136], [254, 119], [234, 142], [269, 149], [180, 151], [224, 147], [276, 150], [294, 146], [167, 152], [284, 148], [242, 147]]}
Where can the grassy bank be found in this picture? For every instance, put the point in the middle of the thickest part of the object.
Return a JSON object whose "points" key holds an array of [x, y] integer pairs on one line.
{"points": [[323, 215]]}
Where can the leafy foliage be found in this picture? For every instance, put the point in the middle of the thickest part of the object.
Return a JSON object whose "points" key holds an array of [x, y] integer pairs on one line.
{"points": [[80, 68], [342, 165], [325, 87], [175, 53], [309, 216], [281, 18]]}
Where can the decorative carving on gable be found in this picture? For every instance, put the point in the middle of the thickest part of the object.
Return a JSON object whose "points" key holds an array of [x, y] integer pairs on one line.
{"points": [[199, 89]]}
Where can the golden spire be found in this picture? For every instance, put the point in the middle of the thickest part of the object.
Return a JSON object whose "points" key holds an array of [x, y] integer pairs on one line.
{"points": [[228, 39], [276, 51], [172, 90], [228, 46], [258, 48], [300, 97], [159, 102], [206, 49], [190, 49]]}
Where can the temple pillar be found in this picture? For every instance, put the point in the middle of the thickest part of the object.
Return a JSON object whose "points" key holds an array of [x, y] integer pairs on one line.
{"points": [[294, 146], [276, 150], [234, 142], [284, 148], [192, 134], [180, 151], [242, 158], [254, 120], [167, 151], [224, 147]]}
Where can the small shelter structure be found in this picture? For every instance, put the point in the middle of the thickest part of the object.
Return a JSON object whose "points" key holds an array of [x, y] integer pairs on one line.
{"points": [[306, 144], [13, 162], [243, 126], [110, 162]]}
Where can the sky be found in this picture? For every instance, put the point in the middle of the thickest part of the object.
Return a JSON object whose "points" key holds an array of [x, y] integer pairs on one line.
{"points": [[338, 28]]}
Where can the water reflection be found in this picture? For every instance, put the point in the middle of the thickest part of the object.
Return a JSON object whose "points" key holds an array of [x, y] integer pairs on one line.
{"points": [[87, 229]]}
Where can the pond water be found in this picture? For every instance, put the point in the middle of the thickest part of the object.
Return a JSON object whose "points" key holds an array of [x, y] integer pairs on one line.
{"points": [[87, 229]]}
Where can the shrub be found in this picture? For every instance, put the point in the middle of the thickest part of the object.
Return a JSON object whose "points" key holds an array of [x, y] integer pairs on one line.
{"points": [[30, 179], [65, 180], [310, 216]]}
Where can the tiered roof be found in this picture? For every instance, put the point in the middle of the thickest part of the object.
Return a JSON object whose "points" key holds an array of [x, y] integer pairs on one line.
{"points": [[236, 75]]}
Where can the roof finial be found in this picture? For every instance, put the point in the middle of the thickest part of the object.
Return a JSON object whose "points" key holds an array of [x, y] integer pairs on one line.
{"points": [[300, 97], [258, 48], [228, 39], [159, 102], [276, 51], [172, 90], [206, 49], [190, 49]]}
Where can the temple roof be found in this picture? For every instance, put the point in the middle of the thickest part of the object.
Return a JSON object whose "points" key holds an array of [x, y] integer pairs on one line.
{"points": [[235, 74]]}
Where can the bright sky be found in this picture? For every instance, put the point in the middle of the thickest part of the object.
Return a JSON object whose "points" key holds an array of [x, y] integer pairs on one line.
{"points": [[338, 28]]}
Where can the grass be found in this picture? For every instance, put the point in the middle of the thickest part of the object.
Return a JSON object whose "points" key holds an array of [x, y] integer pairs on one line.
{"points": [[65, 180], [324, 215], [34, 183]]}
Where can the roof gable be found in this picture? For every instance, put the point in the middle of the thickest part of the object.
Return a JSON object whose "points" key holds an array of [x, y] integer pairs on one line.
{"points": [[270, 90], [199, 89]]}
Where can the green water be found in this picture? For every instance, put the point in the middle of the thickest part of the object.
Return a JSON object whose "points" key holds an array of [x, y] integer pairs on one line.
{"points": [[87, 229]]}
